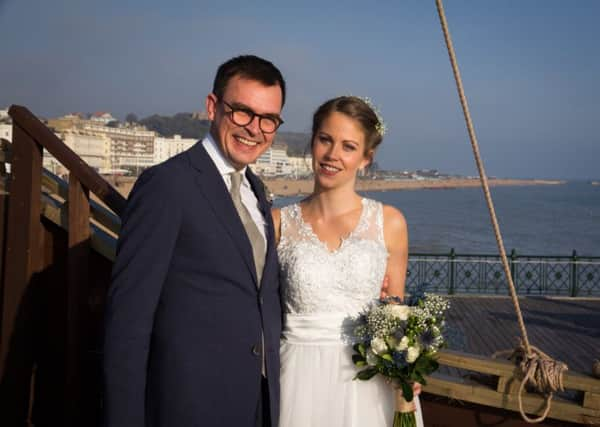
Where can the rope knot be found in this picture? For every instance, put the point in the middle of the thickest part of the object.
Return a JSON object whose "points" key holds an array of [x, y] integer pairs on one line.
{"points": [[539, 372]]}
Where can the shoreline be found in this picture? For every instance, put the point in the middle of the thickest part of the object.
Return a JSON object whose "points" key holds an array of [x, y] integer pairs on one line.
{"points": [[285, 187], [282, 187]]}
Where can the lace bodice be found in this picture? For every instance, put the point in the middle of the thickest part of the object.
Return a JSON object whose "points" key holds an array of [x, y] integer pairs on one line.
{"points": [[317, 280]]}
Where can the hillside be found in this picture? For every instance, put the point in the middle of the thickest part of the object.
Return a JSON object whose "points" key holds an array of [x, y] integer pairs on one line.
{"points": [[187, 126]]}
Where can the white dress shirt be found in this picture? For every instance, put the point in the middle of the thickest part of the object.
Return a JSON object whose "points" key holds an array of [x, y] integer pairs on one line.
{"points": [[225, 169]]}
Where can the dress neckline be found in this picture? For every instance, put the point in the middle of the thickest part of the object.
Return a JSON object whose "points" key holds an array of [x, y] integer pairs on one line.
{"points": [[311, 232]]}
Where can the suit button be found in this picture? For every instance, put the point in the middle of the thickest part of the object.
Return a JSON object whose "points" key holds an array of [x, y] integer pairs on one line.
{"points": [[261, 301], [256, 350]]}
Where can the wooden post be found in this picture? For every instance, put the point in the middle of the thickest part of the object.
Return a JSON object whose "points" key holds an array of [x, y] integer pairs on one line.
{"points": [[23, 259], [77, 286], [5, 151]]}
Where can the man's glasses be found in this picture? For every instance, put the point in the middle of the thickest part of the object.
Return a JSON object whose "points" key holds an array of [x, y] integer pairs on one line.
{"points": [[243, 116]]}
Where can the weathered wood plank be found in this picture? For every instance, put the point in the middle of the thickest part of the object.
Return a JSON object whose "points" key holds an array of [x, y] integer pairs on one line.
{"points": [[77, 282], [506, 369], [99, 213], [564, 328], [591, 400], [23, 259], [101, 241], [532, 404]]}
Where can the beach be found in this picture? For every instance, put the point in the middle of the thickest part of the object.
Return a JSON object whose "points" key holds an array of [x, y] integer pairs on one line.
{"points": [[293, 187], [284, 187]]}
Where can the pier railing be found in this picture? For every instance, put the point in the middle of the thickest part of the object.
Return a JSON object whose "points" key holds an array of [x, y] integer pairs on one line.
{"points": [[452, 273]]}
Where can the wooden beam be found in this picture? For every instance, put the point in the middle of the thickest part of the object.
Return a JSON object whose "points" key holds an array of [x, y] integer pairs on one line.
{"points": [[101, 214], [505, 368], [455, 388], [23, 260], [101, 241], [77, 284]]}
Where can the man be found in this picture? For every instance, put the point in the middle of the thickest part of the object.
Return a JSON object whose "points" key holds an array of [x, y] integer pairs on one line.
{"points": [[193, 315]]}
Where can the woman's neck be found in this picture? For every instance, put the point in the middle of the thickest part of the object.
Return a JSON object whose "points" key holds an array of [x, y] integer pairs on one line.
{"points": [[333, 202]]}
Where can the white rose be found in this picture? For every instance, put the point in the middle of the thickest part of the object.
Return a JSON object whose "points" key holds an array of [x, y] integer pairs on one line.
{"points": [[371, 358], [412, 353], [378, 345], [403, 344], [399, 311]]}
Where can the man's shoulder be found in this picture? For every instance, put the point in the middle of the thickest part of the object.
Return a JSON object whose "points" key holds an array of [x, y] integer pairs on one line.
{"points": [[171, 175], [176, 167]]}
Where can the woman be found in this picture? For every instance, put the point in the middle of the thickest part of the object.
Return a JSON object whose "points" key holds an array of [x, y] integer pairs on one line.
{"points": [[335, 248]]}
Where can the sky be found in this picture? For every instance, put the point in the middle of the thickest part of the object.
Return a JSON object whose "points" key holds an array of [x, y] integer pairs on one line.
{"points": [[530, 69]]}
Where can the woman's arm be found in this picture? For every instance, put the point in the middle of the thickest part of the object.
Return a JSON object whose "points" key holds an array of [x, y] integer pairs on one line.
{"points": [[276, 214], [395, 232]]}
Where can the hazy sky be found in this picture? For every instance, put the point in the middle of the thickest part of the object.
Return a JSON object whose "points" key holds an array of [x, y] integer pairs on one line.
{"points": [[530, 69]]}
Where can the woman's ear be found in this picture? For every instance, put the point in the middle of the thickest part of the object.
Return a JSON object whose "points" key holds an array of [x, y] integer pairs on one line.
{"points": [[367, 160]]}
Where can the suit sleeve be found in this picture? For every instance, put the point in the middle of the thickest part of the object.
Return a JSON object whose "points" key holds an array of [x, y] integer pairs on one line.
{"points": [[150, 225]]}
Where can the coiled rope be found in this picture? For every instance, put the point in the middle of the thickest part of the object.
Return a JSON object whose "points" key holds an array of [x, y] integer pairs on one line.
{"points": [[538, 369]]}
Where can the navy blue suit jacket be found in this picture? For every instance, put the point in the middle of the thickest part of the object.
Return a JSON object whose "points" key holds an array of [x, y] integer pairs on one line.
{"points": [[184, 314]]}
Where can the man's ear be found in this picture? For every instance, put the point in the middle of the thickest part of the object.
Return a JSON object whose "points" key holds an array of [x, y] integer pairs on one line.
{"points": [[211, 106]]}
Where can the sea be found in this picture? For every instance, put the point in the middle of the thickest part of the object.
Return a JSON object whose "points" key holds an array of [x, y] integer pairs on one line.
{"points": [[552, 220]]}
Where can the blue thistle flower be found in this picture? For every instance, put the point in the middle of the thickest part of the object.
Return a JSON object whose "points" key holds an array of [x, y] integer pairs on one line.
{"points": [[399, 359], [427, 338]]}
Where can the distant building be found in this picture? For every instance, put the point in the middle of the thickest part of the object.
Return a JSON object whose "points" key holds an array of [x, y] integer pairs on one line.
{"points": [[165, 148], [92, 148], [4, 114], [200, 115], [6, 131], [124, 147], [102, 117], [301, 166], [274, 161]]}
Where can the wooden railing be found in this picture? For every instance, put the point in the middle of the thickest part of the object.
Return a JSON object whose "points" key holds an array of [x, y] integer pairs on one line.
{"points": [[53, 283], [57, 249], [500, 389]]}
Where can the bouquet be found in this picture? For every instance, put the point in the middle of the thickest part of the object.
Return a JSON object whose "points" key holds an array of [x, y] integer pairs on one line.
{"points": [[400, 342]]}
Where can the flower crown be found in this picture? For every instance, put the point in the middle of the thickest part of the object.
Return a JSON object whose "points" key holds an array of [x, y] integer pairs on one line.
{"points": [[380, 127]]}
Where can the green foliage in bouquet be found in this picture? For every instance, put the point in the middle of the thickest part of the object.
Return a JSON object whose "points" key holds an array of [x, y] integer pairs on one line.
{"points": [[400, 341]]}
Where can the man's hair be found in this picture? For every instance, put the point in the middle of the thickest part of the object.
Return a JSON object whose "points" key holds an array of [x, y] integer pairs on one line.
{"points": [[248, 67]]}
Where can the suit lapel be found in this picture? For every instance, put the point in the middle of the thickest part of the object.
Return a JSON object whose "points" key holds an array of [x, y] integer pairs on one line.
{"points": [[218, 198]]}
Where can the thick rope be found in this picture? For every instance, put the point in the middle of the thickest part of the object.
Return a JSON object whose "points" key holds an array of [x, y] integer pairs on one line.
{"points": [[537, 364], [539, 371]]}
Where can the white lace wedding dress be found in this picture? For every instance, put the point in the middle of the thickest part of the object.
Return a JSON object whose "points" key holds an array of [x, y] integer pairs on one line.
{"points": [[321, 289]]}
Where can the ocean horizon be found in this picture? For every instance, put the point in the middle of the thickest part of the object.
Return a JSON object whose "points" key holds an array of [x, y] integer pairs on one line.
{"points": [[550, 220]]}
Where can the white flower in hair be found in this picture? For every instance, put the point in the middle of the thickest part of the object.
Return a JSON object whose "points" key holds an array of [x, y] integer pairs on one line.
{"points": [[380, 127]]}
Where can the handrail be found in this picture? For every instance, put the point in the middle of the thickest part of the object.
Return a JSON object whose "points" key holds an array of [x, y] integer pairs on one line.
{"points": [[98, 212], [502, 392], [82, 171]]}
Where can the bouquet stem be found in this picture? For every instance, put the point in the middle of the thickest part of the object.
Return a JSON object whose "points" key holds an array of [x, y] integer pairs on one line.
{"points": [[404, 416]]}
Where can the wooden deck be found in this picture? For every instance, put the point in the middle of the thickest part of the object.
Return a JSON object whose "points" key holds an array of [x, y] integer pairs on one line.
{"points": [[567, 329]]}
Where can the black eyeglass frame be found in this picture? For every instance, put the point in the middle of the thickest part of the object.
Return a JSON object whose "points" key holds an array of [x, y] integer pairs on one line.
{"points": [[275, 119]]}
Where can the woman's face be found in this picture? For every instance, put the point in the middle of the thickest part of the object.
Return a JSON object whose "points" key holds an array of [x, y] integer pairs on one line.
{"points": [[338, 150]]}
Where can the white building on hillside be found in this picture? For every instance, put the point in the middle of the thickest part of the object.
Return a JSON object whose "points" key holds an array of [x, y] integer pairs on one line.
{"points": [[102, 117], [301, 166], [165, 148], [274, 161], [93, 149], [6, 131]]}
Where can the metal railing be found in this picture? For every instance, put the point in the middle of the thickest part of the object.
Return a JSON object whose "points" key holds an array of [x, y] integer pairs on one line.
{"points": [[452, 273]]}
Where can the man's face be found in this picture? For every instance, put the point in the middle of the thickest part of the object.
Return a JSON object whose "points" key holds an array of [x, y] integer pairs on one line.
{"points": [[242, 145]]}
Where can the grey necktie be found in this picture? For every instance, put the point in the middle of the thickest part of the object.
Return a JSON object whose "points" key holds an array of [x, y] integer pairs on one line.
{"points": [[256, 239]]}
